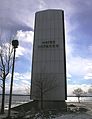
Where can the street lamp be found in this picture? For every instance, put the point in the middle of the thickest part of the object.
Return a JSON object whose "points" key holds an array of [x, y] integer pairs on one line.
{"points": [[15, 44]]}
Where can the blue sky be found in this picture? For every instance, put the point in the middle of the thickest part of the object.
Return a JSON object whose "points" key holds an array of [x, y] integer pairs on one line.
{"points": [[18, 16]]}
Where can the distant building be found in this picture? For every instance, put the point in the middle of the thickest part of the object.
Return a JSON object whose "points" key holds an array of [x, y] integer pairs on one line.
{"points": [[49, 62]]}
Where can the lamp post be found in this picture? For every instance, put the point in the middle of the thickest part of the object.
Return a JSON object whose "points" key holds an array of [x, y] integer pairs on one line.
{"points": [[15, 44]]}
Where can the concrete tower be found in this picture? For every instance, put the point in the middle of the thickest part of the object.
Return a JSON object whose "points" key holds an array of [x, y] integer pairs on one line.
{"points": [[49, 63]]}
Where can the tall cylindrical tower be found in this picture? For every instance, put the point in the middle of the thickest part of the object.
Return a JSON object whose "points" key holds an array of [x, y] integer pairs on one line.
{"points": [[49, 62]]}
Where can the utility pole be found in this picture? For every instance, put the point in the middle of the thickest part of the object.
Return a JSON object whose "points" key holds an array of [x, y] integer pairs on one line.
{"points": [[15, 44]]}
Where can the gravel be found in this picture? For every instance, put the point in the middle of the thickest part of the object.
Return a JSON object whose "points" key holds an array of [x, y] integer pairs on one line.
{"points": [[75, 116]]}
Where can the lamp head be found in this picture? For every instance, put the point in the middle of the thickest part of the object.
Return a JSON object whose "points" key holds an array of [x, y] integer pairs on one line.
{"points": [[15, 43]]}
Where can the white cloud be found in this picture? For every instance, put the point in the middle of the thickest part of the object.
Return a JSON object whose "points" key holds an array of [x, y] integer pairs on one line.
{"points": [[22, 76], [41, 4], [26, 82], [20, 51], [26, 52], [21, 89], [21, 81], [24, 49], [69, 76], [68, 79], [90, 48], [79, 66], [88, 76], [25, 36]]}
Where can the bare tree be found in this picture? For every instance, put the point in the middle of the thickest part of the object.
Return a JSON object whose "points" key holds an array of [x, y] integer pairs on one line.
{"points": [[78, 92], [6, 55], [43, 85]]}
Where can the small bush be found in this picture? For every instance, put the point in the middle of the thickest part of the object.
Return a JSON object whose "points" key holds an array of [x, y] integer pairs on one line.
{"points": [[71, 105], [82, 109]]}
